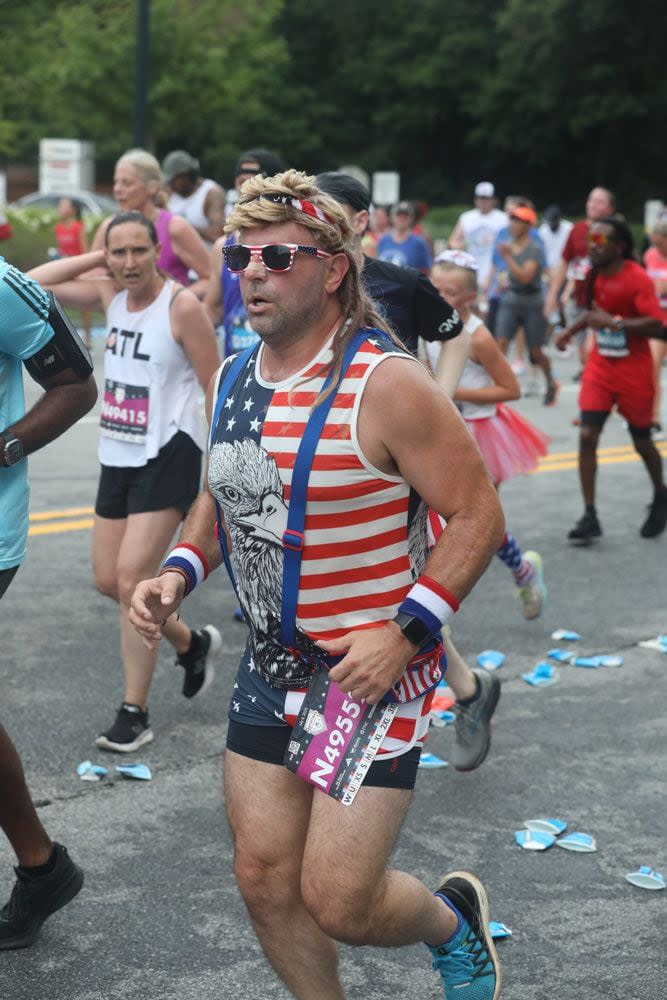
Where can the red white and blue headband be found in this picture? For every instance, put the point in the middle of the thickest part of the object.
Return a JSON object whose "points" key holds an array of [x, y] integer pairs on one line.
{"points": [[301, 205]]}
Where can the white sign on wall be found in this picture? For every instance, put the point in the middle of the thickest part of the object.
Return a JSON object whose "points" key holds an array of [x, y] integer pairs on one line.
{"points": [[66, 165], [386, 187]]}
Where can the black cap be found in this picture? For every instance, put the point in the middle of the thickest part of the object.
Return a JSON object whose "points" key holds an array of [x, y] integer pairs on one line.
{"points": [[345, 188], [269, 163]]}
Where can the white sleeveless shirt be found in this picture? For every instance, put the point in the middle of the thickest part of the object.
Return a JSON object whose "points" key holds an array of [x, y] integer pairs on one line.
{"points": [[150, 387], [192, 207], [475, 376]]}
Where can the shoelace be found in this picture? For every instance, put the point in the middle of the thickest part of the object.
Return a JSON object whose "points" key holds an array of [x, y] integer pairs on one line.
{"points": [[468, 961], [467, 718]]}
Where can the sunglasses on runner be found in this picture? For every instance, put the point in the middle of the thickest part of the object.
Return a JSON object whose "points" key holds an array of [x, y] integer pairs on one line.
{"points": [[274, 256]]}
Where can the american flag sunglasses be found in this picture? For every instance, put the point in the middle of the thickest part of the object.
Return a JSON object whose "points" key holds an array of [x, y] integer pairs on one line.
{"points": [[274, 256]]}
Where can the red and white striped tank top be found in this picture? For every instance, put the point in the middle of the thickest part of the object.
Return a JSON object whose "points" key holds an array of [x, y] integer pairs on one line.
{"points": [[363, 544]]}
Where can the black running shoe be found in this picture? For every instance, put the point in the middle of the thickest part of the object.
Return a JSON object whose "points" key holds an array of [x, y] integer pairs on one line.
{"points": [[198, 661], [656, 521], [129, 732], [36, 897], [585, 530]]}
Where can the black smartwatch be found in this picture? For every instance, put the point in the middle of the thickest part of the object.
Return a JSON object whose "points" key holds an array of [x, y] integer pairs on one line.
{"points": [[413, 628], [11, 450]]}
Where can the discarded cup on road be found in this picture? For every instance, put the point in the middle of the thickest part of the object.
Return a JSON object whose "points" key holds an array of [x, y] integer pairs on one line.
{"points": [[542, 675], [660, 644], [601, 660], [443, 698], [534, 840], [140, 772], [576, 841], [490, 659], [561, 655], [429, 761], [498, 930], [646, 878], [440, 718], [88, 771], [565, 635], [553, 826]]}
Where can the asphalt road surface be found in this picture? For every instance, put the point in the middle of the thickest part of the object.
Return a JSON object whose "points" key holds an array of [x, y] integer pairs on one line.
{"points": [[159, 917]]}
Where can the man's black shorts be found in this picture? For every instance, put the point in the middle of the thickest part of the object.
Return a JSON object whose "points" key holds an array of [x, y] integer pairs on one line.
{"points": [[171, 479], [269, 744]]}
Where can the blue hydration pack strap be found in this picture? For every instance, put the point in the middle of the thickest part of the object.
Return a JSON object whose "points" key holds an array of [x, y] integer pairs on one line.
{"points": [[227, 383], [296, 515]]}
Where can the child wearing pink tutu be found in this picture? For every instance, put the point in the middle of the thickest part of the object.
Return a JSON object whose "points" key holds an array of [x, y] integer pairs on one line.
{"points": [[510, 444]]}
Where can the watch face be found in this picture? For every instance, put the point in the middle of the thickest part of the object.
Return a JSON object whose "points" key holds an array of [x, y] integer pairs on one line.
{"points": [[13, 451]]}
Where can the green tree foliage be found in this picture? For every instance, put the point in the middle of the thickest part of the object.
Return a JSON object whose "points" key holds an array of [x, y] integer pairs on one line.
{"points": [[542, 96], [577, 96], [214, 67]]}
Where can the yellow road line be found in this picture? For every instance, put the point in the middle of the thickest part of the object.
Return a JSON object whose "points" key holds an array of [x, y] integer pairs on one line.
{"points": [[57, 527], [50, 515], [556, 456], [75, 519]]}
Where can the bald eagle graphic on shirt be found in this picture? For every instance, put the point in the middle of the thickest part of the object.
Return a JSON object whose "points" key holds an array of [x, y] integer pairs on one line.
{"points": [[244, 479]]}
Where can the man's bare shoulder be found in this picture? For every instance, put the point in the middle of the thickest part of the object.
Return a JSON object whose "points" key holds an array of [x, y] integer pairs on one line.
{"points": [[396, 375]]}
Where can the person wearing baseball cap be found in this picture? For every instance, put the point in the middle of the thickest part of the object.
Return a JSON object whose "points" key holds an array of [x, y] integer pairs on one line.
{"points": [[407, 298], [522, 305], [476, 231], [198, 199], [223, 299]]}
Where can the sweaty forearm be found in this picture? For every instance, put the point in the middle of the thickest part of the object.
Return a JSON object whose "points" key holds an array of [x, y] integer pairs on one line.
{"points": [[645, 326], [67, 268], [468, 543]]}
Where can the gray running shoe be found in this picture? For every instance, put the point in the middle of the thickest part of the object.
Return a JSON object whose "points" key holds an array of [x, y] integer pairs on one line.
{"points": [[472, 730]]}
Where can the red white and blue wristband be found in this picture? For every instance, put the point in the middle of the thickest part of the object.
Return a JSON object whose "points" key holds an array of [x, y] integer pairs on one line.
{"points": [[189, 562], [430, 603]]}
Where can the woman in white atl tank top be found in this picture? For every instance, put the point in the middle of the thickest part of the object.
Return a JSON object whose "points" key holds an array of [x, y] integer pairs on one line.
{"points": [[160, 349]]}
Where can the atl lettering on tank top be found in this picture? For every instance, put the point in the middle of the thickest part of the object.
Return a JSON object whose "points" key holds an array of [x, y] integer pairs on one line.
{"points": [[150, 387]]}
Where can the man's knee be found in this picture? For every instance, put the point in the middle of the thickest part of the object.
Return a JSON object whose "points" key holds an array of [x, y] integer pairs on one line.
{"points": [[641, 439], [341, 911], [588, 438], [106, 583], [265, 885]]}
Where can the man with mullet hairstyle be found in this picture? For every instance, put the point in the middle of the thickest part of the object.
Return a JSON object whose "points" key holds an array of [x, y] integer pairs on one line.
{"points": [[328, 442]]}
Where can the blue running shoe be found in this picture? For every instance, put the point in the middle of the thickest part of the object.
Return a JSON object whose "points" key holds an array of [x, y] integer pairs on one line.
{"points": [[468, 964]]}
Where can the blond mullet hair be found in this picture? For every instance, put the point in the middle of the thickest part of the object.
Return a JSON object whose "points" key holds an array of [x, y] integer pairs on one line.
{"points": [[254, 210]]}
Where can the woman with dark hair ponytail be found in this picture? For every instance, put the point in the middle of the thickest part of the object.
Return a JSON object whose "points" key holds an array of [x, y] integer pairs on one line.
{"points": [[624, 313], [160, 349]]}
